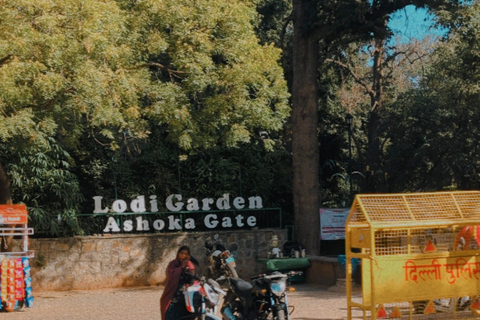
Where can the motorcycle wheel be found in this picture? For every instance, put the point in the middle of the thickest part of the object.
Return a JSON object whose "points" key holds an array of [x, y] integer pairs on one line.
{"points": [[281, 315]]}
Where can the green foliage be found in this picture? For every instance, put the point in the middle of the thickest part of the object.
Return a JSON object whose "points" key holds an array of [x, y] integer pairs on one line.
{"points": [[42, 178], [162, 169], [218, 85], [434, 130], [84, 84]]}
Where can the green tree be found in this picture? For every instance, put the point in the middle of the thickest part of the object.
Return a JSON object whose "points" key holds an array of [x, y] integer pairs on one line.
{"points": [[321, 22], [433, 128], [401, 67], [77, 74]]}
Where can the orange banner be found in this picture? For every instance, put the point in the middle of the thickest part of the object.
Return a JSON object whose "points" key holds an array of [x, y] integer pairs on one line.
{"points": [[13, 214]]}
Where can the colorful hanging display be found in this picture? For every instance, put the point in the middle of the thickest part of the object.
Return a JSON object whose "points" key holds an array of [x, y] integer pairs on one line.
{"points": [[15, 284], [15, 277]]}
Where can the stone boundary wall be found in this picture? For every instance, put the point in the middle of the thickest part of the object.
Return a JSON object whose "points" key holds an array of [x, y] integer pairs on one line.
{"points": [[109, 261]]}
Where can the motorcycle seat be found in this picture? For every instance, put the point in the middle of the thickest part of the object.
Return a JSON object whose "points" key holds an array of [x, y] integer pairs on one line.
{"points": [[241, 286]]}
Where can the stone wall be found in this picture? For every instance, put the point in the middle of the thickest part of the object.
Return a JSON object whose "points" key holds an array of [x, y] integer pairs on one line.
{"points": [[107, 261]]}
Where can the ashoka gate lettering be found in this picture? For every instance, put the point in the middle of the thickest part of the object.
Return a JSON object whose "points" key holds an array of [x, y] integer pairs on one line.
{"points": [[191, 214]]}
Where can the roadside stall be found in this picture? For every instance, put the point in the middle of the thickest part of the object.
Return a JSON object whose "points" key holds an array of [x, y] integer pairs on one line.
{"points": [[15, 278], [419, 253]]}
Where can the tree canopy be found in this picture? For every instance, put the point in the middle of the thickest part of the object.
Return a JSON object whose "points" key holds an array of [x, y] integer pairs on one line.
{"points": [[80, 73], [133, 97]]}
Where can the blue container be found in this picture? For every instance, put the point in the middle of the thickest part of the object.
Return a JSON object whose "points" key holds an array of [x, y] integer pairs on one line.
{"points": [[342, 259]]}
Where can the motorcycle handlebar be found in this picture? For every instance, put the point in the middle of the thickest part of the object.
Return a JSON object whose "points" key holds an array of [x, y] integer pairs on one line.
{"points": [[276, 276], [213, 245], [216, 286]]}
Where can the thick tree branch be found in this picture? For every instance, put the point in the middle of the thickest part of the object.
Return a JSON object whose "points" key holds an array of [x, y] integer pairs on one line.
{"points": [[284, 29], [172, 73], [5, 60], [355, 76]]}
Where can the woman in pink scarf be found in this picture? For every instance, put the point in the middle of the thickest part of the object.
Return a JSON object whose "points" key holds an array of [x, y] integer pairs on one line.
{"points": [[172, 307]]}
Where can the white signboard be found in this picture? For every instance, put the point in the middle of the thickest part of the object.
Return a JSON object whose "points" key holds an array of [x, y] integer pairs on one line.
{"points": [[332, 223], [176, 203]]}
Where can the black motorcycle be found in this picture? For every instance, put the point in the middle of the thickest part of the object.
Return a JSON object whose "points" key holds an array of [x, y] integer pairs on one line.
{"points": [[221, 261], [266, 298]]}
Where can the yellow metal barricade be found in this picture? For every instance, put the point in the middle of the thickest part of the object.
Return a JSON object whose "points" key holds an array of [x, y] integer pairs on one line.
{"points": [[419, 255]]}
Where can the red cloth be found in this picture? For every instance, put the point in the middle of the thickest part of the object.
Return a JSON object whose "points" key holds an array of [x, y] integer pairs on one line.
{"points": [[174, 271]]}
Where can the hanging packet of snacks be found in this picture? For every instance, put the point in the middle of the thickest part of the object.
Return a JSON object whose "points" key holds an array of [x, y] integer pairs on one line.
{"points": [[28, 283], [3, 282], [10, 299], [19, 280]]}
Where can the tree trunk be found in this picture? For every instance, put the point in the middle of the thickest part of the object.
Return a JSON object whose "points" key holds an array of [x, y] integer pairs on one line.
{"points": [[374, 121], [305, 148], [5, 198]]}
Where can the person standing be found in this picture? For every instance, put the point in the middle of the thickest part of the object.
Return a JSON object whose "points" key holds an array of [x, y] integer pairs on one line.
{"points": [[172, 305]]}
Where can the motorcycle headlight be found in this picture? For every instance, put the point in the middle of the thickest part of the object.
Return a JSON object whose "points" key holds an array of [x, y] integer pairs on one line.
{"points": [[278, 288]]}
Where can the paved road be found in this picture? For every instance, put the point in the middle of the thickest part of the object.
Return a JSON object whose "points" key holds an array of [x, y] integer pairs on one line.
{"points": [[310, 301]]}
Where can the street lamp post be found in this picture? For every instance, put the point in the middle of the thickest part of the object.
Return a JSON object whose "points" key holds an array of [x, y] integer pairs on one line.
{"points": [[349, 122]]}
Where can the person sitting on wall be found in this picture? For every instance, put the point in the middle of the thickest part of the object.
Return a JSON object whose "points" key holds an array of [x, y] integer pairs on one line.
{"points": [[172, 305]]}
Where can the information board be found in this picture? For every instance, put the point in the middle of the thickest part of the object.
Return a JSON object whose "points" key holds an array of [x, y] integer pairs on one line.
{"points": [[332, 223]]}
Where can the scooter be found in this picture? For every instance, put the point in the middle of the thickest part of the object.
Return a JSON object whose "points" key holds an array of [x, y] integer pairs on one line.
{"points": [[266, 298], [201, 298]]}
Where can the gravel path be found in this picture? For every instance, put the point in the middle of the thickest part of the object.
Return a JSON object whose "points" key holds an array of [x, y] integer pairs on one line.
{"points": [[310, 301]]}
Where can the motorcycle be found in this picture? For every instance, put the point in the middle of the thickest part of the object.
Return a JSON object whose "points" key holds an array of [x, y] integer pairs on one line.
{"points": [[221, 261], [201, 298], [266, 298]]}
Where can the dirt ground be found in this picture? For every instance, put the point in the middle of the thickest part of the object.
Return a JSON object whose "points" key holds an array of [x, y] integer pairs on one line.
{"points": [[310, 302]]}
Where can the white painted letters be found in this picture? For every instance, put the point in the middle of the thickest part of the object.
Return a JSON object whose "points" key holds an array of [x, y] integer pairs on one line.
{"points": [[111, 225], [223, 203], [227, 222], [153, 204], [255, 203], [192, 204], [239, 203], [239, 219], [119, 206], [209, 222], [142, 225], [128, 225], [173, 223], [98, 205], [252, 221], [174, 203], [138, 205], [178, 206], [189, 224], [206, 203], [158, 224]]}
